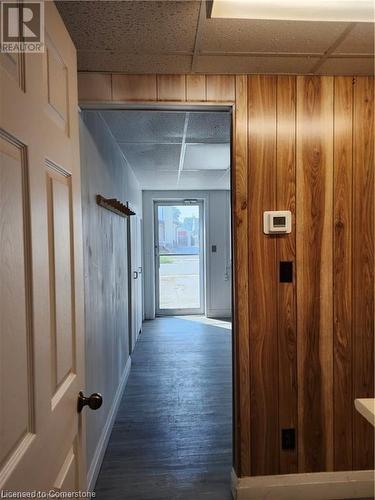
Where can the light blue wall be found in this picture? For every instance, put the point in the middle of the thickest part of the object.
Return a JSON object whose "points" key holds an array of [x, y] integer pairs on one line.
{"points": [[104, 171]]}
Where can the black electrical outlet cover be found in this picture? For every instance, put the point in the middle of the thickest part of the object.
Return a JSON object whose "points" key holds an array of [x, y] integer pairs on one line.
{"points": [[288, 439], [286, 272]]}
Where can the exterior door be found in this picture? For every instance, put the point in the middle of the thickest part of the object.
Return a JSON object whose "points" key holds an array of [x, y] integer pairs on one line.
{"points": [[179, 261], [41, 282]]}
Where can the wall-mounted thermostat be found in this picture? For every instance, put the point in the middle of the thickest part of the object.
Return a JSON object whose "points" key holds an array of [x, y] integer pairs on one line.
{"points": [[277, 222]]}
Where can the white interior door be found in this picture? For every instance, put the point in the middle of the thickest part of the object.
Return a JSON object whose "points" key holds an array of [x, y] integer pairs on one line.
{"points": [[41, 292], [136, 278], [140, 275]]}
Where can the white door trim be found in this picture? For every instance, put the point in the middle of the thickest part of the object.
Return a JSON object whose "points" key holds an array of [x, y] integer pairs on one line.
{"points": [[309, 486]]}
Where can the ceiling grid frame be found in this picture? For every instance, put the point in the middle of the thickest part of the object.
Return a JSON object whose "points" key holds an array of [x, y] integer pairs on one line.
{"points": [[187, 149]]}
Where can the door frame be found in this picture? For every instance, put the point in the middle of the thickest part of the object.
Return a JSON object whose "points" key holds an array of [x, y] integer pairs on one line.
{"points": [[131, 238], [237, 107], [129, 284], [202, 256]]}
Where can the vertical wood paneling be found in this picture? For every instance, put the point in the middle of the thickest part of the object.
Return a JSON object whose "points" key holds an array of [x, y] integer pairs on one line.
{"points": [[286, 251], [134, 87], [262, 274], [314, 272], [342, 275], [195, 87], [171, 87], [220, 88], [94, 87], [241, 294], [363, 265]]}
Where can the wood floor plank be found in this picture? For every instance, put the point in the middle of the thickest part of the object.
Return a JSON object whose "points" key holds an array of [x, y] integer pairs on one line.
{"points": [[172, 437]]}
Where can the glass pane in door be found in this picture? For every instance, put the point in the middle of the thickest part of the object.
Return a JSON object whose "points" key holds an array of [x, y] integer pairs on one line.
{"points": [[179, 257]]}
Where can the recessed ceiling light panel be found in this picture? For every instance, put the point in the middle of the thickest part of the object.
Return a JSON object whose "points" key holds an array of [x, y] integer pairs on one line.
{"points": [[207, 157], [295, 10]]}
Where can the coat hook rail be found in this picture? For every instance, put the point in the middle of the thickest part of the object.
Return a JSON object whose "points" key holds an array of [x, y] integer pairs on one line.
{"points": [[114, 205]]}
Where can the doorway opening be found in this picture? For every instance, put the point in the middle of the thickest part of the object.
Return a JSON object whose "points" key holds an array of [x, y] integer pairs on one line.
{"points": [[177, 408]]}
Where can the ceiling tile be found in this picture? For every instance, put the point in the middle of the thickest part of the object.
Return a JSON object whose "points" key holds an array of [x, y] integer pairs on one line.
{"points": [[347, 66], [244, 35], [359, 41], [125, 62], [152, 157], [134, 26], [164, 180], [205, 180], [207, 157], [145, 126], [247, 64], [151, 143], [139, 37], [209, 127]]}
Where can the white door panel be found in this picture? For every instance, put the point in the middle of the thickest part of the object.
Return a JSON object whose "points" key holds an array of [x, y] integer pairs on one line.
{"points": [[140, 275], [136, 303]]}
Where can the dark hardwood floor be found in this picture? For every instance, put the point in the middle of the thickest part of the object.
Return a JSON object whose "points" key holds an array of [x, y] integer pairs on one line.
{"points": [[172, 439]]}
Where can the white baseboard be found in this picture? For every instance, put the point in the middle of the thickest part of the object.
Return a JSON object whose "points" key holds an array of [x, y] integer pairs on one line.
{"points": [[218, 313], [310, 486], [97, 460]]}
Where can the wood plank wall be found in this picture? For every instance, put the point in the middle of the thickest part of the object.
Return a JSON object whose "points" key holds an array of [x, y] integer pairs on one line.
{"points": [[314, 271], [303, 350]]}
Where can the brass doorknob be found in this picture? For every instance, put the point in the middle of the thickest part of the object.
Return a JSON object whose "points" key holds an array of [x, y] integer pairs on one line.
{"points": [[94, 402]]}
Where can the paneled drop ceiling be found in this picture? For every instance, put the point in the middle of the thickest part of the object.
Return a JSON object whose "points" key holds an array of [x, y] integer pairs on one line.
{"points": [[177, 37], [174, 150]]}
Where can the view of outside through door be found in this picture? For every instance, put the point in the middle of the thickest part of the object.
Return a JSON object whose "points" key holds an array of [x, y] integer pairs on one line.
{"points": [[179, 284]]}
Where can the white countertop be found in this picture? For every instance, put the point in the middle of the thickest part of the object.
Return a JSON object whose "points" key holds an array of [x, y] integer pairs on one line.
{"points": [[366, 407]]}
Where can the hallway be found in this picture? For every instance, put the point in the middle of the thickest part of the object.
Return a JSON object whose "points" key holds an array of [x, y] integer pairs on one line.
{"points": [[172, 437]]}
